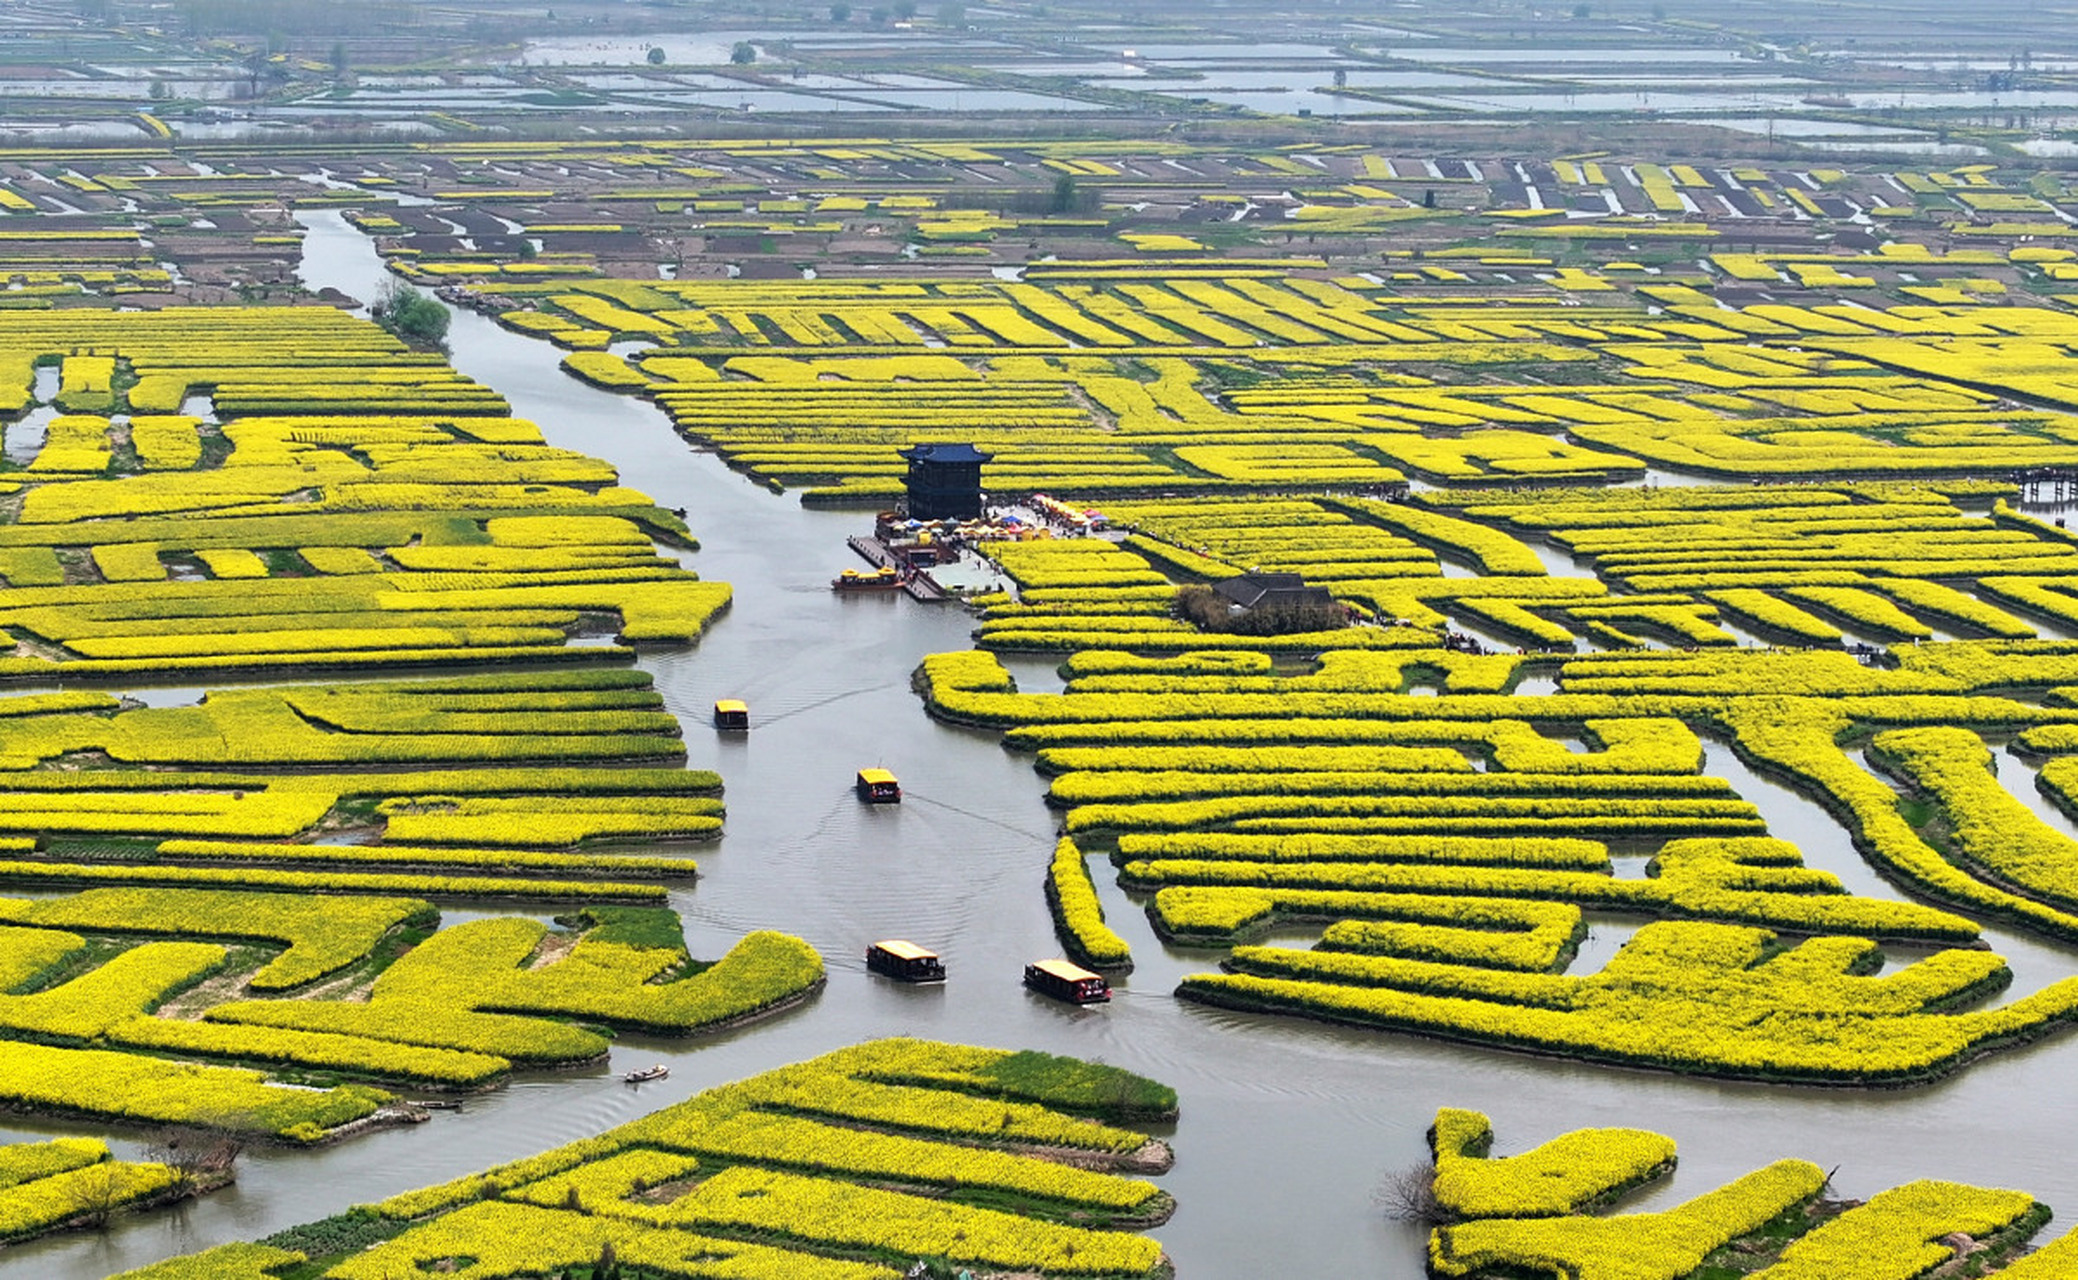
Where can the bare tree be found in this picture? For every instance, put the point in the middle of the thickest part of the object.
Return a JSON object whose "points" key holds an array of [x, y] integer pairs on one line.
{"points": [[1409, 1195], [200, 1158]]}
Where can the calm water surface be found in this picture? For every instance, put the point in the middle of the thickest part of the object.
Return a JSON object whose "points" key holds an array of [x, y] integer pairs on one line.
{"points": [[1287, 1126]]}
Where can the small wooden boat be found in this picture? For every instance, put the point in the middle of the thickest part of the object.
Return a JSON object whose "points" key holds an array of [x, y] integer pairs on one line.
{"points": [[657, 1072], [1065, 981], [885, 579], [901, 959], [732, 715], [437, 1104]]}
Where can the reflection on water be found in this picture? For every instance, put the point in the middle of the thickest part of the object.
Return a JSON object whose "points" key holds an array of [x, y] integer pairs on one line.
{"points": [[1287, 1125]]}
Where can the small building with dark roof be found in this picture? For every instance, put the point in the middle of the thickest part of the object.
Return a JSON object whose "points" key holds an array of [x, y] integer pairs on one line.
{"points": [[944, 481], [1250, 591]]}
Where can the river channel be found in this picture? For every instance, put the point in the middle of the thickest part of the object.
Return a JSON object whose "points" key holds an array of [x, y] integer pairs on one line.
{"points": [[1287, 1126]]}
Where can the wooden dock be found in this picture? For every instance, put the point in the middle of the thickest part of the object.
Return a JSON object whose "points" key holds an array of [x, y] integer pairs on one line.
{"points": [[922, 587], [874, 552], [2047, 486], [919, 585]]}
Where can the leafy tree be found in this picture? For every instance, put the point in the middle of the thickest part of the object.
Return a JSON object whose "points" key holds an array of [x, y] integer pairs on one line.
{"points": [[877, 14], [338, 57], [1580, 11], [1064, 193], [410, 315], [744, 53], [656, 55], [840, 13], [905, 9], [160, 91], [952, 15]]}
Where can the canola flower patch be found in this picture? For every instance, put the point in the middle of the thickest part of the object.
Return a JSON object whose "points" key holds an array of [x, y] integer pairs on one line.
{"points": [[470, 989], [1774, 1222], [229, 491], [455, 1007], [224, 1262], [1078, 916], [1990, 829], [1679, 997], [342, 473], [135, 1089], [1565, 1175], [1529, 724], [737, 1181], [320, 935], [1757, 390], [47, 1186], [1439, 842]]}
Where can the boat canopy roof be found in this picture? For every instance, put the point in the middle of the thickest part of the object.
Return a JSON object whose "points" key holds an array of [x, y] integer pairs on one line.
{"points": [[1065, 970], [905, 950]]}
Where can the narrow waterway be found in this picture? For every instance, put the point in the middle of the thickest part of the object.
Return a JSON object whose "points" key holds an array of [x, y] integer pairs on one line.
{"points": [[1288, 1126]]}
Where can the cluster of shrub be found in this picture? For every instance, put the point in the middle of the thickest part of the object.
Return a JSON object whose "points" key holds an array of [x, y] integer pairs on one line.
{"points": [[1207, 610]]}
